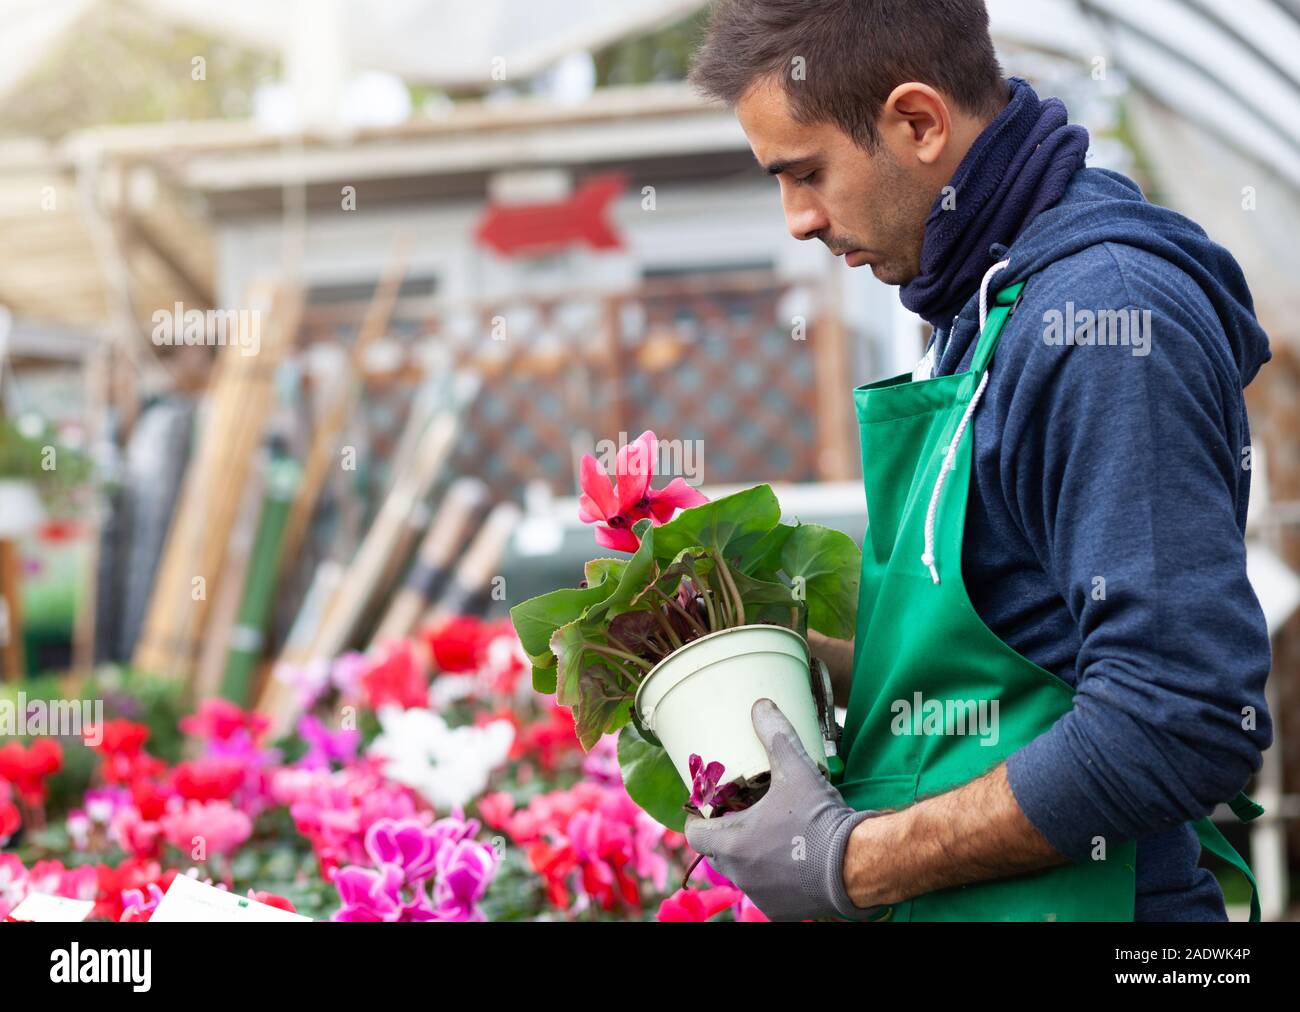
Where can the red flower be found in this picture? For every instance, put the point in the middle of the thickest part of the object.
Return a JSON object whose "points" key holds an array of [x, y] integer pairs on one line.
{"points": [[132, 873], [395, 678], [127, 769], [207, 779], [118, 737], [121, 742], [551, 738], [621, 501], [554, 864], [10, 820], [272, 900], [457, 643], [221, 720], [27, 768], [496, 808], [149, 799]]}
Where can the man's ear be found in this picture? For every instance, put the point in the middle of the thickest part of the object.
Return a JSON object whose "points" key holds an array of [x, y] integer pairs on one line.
{"points": [[915, 122]]}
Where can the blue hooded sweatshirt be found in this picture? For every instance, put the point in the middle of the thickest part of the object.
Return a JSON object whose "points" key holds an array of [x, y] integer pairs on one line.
{"points": [[1104, 532]]}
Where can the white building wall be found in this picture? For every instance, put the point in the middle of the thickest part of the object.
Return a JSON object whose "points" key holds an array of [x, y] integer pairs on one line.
{"points": [[692, 225]]}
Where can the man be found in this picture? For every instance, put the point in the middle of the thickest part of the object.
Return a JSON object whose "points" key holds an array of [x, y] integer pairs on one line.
{"points": [[1105, 493]]}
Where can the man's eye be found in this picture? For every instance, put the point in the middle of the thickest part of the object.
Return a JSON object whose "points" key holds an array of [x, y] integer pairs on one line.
{"points": [[805, 180]]}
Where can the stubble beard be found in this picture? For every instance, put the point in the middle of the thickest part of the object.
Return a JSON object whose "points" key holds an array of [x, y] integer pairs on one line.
{"points": [[902, 220]]}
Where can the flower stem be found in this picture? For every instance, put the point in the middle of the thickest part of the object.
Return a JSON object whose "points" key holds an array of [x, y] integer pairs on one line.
{"points": [[640, 662], [706, 592], [732, 589], [666, 627], [672, 601]]}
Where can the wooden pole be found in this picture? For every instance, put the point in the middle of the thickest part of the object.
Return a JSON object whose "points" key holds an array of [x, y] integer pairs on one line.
{"points": [[470, 588], [320, 455], [835, 447], [97, 376], [238, 403], [340, 625], [432, 568], [12, 602]]}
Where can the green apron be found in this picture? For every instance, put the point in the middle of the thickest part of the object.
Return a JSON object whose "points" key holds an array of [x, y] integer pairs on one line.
{"points": [[921, 644]]}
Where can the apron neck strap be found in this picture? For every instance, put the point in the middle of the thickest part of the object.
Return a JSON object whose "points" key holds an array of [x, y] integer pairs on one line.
{"points": [[1003, 305]]}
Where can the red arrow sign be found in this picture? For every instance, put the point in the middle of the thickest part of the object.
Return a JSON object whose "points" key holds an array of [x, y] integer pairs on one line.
{"points": [[528, 229]]}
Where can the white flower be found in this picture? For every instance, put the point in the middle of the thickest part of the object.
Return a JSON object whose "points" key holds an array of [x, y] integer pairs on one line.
{"points": [[448, 766], [449, 688]]}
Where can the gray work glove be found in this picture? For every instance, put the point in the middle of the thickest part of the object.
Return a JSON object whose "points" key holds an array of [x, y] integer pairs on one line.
{"points": [[786, 852]]}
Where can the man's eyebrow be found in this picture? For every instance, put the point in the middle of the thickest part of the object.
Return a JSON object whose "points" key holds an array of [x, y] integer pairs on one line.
{"points": [[785, 165]]}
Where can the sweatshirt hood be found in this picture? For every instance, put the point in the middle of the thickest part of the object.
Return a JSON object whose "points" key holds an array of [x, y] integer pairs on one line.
{"points": [[1104, 207]]}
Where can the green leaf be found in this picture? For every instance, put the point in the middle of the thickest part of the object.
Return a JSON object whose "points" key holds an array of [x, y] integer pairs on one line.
{"points": [[760, 592], [632, 580], [735, 525], [828, 565], [569, 645], [544, 679], [651, 779], [604, 706], [536, 619], [598, 571], [764, 560]]}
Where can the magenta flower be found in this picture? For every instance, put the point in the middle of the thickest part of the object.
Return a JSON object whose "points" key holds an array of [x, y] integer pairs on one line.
{"points": [[705, 780], [324, 746], [375, 896], [134, 905], [616, 504], [465, 869], [453, 829], [404, 844], [408, 855]]}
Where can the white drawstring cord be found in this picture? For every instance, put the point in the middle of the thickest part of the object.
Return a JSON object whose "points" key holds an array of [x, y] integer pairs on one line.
{"points": [[927, 557]]}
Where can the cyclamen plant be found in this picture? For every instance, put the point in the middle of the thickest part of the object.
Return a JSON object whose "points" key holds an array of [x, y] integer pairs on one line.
{"points": [[715, 565]]}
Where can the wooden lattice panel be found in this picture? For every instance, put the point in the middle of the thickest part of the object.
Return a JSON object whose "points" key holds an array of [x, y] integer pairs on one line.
{"points": [[721, 368], [716, 360]]}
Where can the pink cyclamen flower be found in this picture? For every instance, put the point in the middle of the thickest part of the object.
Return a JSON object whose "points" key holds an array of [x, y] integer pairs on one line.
{"points": [[697, 904], [615, 504], [408, 857], [325, 746], [465, 869], [13, 883], [374, 896], [404, 844], [135, 907], [705, 787], [744, 909], [219, 825]]}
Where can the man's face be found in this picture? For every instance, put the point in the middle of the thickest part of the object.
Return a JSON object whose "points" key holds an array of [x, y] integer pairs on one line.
{"points": [[870, 206]]}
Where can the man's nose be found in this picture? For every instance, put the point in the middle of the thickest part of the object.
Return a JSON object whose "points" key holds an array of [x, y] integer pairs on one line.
{"points": [[803, 218]]}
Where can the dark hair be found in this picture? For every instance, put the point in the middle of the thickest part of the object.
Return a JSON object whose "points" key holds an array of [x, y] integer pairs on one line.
{"points": [[855, 52]]}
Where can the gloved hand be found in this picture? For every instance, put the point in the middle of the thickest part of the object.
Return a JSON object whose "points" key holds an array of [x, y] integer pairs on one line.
{"points": [[786, 852]]}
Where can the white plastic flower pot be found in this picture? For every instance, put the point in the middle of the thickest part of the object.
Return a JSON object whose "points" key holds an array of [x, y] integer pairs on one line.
{"points": [[698, 700]]}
